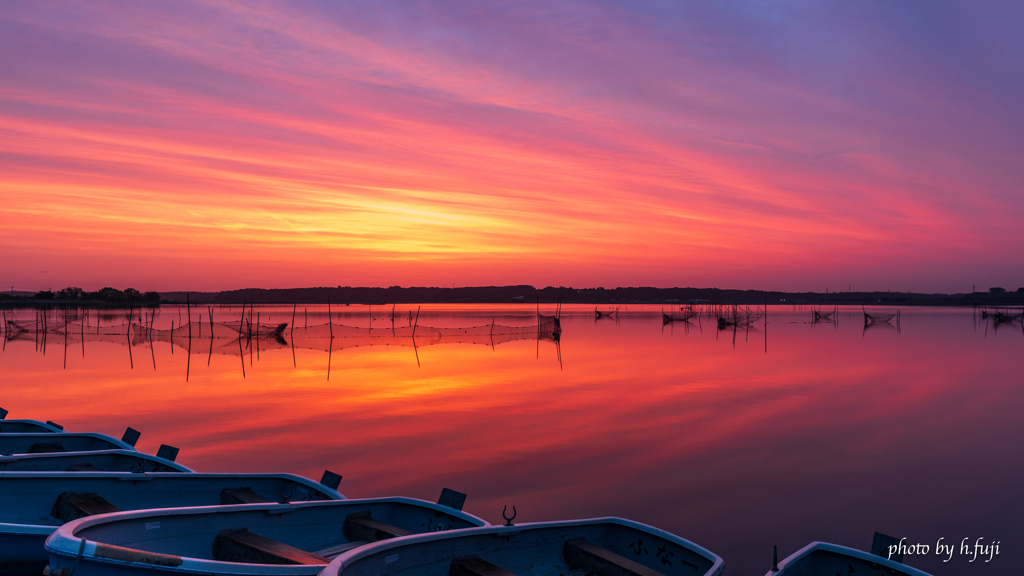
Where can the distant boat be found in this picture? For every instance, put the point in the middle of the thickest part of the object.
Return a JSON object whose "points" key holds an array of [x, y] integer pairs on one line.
{"points": [[606, 314], [255, 539], [28, 427], [43, 442], [33, 505], [98, 461], [595, 546], [823, 559]]}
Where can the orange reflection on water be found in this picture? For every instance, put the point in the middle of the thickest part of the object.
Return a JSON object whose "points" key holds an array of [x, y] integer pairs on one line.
{"points": [[780, 434]]}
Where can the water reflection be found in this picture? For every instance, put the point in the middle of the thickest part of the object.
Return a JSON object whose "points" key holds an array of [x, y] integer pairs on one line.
{"points": [[829, 434], [248, 335]]}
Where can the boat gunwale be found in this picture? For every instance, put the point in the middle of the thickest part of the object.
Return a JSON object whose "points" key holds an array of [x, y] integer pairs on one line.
{"points": [[133, 453], [47, 428], [118, 444], [845, 550], [65, 543], [18, 528], [350, 557]]}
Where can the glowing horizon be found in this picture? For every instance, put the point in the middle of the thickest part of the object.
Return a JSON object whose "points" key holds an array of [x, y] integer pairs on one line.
{"points": [[280, 145]]}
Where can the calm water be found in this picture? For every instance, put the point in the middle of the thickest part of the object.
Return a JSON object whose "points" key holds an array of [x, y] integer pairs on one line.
{"points": [[778, 434]]}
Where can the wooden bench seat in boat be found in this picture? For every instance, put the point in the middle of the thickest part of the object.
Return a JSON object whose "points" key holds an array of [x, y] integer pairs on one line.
{"points": [[360, 526], [243, 495], [581, 554], [476, 566], [46, 447], [72, 506], [245, 547]]}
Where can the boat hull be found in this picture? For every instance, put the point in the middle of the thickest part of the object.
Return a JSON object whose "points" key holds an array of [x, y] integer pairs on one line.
{"points": [[21, 443], [824, 559], [540, 548], [21, 553], [29, 502], [91, 461], [27, 427], [184, 540]]}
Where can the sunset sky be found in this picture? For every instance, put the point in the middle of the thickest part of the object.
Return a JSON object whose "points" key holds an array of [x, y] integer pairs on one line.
{"points": [[779, 145]]}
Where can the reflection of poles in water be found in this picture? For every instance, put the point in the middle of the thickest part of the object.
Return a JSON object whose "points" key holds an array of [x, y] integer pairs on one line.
{"points": [[210, 356], [152, 353], [880, 321], [65, 336], [330, 352], [766, 325], [241, 354], [415, 324], [131, 360], [188, 363]]}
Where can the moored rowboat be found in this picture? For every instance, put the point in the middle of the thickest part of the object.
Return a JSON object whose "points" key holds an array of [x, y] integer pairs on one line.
{"points": [[33, 505], [824, 559], [41, 443], [577, 547], [28, 426], [255, 539], [98, 461]]}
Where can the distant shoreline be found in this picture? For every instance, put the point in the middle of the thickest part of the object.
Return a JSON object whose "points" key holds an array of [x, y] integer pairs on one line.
{"points": [[529, 294]]}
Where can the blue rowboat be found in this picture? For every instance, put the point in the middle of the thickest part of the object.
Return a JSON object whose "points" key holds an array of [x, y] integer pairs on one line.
{"points": [[255, 539], [824, 559], [33, 505], [578, 547], [46, 442], [28, 426], [99, 461]]}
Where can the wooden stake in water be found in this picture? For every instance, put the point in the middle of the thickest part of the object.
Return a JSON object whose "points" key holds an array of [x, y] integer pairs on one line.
{"points": [[241, 355], [188, 362], [330, 325]]}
